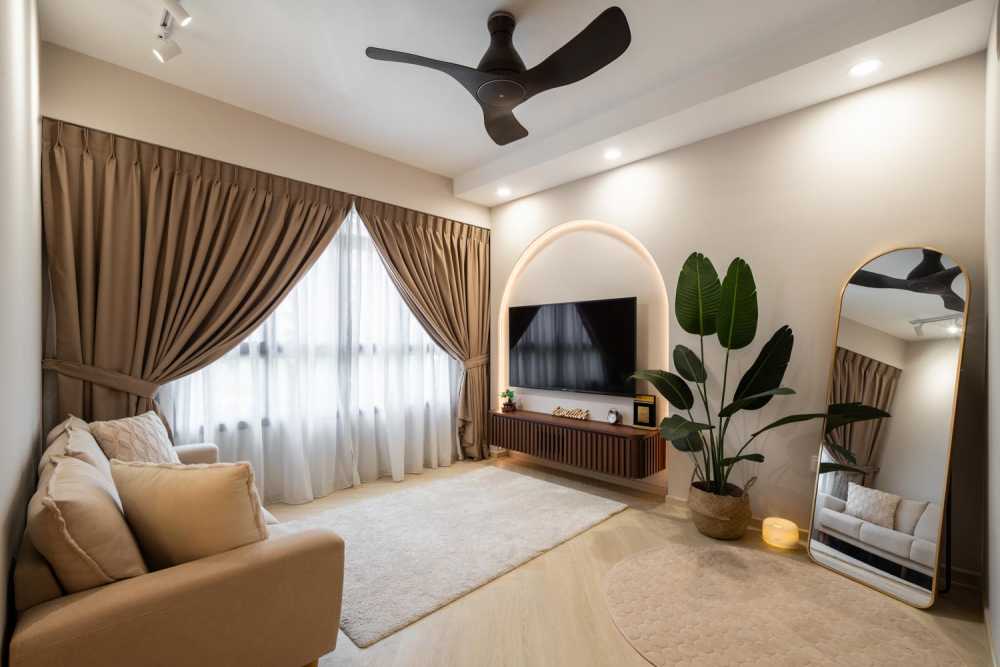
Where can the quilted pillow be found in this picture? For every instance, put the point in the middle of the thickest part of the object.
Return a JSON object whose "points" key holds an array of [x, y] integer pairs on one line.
{"points": [[181, 513], [143, 438], [75, 521], [871, 505]]}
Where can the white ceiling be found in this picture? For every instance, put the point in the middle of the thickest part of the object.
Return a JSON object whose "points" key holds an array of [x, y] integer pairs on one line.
{"points": [[891, 310], [302, 62]]}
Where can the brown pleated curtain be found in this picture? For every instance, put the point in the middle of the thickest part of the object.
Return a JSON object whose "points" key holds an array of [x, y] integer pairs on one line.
{"points": [[442, 269], [858, 378], [161, 261]]}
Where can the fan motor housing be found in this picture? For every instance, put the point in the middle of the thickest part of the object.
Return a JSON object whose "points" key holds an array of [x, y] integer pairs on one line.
{"points": [[501, 93]]}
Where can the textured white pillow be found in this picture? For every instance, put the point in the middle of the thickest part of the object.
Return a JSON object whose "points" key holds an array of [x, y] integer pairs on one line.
{"points": [[75, 520], [143, 438], [871, 505], [181, 513]]}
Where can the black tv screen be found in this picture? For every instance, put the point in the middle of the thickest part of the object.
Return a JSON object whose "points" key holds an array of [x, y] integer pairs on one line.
{"points": [[585, 346]]}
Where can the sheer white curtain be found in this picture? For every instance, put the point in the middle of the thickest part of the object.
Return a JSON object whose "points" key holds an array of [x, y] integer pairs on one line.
{"points": [[340, 385]]}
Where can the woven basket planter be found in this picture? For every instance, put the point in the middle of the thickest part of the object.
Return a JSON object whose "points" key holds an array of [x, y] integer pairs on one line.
{"points": [[722, 517]]}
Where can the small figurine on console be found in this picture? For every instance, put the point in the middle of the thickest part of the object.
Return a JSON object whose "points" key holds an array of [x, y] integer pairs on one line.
{"points": [[508, 404]]}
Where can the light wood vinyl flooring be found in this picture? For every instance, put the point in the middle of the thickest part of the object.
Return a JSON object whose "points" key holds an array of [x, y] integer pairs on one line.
{"points": [[551, 611]]}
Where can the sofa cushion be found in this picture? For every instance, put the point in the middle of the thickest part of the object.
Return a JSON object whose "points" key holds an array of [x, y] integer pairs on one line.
{"points": [[180, 513], [929, 525], [844, 523], [75, 521], [55, 441], [82, 445], [886, 539], [871, 505], [923, 552], [142, 438], [34, 580], [908, 512]]}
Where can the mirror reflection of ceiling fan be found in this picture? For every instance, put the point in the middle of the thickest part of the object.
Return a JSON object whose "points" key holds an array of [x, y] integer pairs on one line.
{"points": [[501, 81], [927, 277]]}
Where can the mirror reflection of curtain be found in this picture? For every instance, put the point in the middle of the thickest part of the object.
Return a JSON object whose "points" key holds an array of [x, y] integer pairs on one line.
{"points": [[555, 350], [858, 379]]}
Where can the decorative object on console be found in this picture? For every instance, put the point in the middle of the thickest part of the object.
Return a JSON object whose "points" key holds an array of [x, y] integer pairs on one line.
{"points": [[571, 413], [614, 417], [779, 532], [508, 404], [644, 410], [705, 306]]}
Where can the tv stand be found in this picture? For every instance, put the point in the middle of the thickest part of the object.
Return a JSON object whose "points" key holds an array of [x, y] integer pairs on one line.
{"points": [[610, 449]]}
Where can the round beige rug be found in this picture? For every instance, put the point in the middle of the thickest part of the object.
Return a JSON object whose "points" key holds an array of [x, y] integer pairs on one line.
{"points": [[729, 605]]}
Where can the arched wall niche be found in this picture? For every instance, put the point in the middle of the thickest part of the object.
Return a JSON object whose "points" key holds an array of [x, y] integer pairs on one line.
{"points": [[617, 265]]}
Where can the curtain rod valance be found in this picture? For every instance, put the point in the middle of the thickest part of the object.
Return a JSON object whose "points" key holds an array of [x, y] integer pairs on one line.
{"points": [[125, 149]]}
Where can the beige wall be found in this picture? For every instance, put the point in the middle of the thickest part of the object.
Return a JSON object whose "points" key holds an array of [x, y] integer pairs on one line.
{"points": [[992, 259], [20, 276], [94, 93], [805, 198], [914, 450], [873, 343]]}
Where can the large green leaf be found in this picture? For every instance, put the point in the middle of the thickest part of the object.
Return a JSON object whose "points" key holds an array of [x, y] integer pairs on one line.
{"points": [[742, 404], [756, 458], [692, 443], [844, 452], [689, 365], [737, 320], [670, 386], [790, 419], [675, 428], [842, 414], [767, 370], [696, 303]]}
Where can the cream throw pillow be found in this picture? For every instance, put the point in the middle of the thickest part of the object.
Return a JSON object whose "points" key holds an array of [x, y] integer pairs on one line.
{"points": [[871, 505], [181, 513], [75, 521], [142, 438]]}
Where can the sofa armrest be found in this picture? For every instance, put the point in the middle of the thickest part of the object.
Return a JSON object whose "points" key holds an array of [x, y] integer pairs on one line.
{"points": [[832, 502], [275, 602], [202, 452]]}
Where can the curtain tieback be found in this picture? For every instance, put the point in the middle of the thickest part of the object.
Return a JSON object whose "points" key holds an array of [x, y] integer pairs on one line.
{"points": [[102, 376], [476, 362]]}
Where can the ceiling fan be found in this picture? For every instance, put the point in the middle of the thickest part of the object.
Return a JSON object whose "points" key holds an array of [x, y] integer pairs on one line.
{"points": [[501, 81], [927, 277]]}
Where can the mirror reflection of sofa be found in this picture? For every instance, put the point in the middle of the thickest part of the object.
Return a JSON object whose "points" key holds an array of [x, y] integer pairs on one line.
{"points": [[910, 543]]}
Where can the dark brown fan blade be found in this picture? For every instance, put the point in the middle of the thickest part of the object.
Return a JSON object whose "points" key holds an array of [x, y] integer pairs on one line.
{"points": [[930, 264], [598, 44], [471, 79], [501, 125]]}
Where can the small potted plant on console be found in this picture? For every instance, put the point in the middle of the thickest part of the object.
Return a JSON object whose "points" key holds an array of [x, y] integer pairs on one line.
{"points": [[508, 404], [704, 306]]}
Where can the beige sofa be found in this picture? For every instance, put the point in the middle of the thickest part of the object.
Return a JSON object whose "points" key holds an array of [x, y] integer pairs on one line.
{"points": [[910, 543], [271, 603]]}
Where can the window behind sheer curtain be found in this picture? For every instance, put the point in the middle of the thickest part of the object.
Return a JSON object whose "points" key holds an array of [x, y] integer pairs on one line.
{"points": [[341, 384]]}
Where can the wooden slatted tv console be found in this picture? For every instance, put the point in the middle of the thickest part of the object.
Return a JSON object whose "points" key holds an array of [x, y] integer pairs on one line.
{"points": [[610, 449]]}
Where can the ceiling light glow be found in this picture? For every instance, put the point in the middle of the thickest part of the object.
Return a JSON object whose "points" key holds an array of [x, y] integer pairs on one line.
{"points": [[503, 191], [612, 153], [954, 329], [180, 14], [865, 67]]}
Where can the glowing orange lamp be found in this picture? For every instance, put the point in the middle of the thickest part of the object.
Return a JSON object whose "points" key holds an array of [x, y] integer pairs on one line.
{"points": [[780, 533]]}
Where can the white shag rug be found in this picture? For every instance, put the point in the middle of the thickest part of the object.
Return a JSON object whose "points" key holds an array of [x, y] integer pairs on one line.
{"points": [[415, 550], [687, 606]]}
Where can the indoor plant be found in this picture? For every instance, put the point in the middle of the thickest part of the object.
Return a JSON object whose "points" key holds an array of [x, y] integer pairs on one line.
{"points": [[706, 306], [508, 404]]}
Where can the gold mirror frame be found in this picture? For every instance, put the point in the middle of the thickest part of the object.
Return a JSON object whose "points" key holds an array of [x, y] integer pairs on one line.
{"points": [[951, 430]]}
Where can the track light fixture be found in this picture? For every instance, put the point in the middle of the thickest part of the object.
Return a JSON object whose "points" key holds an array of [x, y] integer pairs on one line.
{"points": [[165, 48], [179, 13]]}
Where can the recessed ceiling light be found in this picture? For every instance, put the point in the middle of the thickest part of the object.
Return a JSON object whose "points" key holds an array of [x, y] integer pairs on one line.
{"points": [[954, 329], [503, 191], [612, 153], [179, 13], [165, 48], [865, 67]]}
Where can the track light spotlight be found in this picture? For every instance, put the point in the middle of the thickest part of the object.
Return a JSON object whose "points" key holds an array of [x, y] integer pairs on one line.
{"points": [[179, 13], [165, 48]]}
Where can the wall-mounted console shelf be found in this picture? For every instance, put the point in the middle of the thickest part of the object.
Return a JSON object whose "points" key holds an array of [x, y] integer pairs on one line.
{"points": [[610, 449]]}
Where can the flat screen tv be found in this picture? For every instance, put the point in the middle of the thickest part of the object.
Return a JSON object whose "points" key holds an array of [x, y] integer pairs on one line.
{"points": [[584, 346]]}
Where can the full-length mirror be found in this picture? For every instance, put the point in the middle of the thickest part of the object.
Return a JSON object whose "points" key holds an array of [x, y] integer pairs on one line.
{"points": [[882, 476]]}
